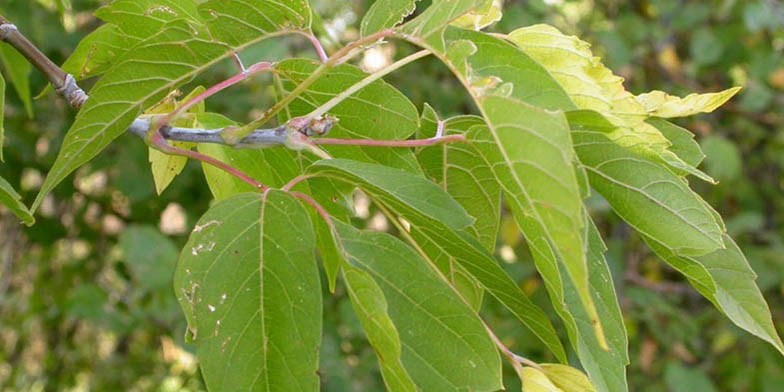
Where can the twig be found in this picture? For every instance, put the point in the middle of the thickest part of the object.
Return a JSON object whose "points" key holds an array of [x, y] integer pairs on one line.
{"points": [[243, 75], [340, 55], [514, 358], [64, 83], [157, 140]]}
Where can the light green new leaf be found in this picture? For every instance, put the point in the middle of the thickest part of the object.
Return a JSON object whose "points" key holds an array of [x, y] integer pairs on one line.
{"points": [[370, 306], [530, 151], [384, 14], [592, 86], [2, 117], [567, 378], [12, 200], [661, 104], [378, 111], [454, 351], [534, 380], [17, 70], [729, 284], [437, 221], [159, 64], [651, 198], [248, 283], [165, 167], [481, 17]]}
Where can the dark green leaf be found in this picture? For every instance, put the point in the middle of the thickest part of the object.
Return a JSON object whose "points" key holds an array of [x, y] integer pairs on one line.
{"points": [[12, 200], [651, 198], [150, 255], [17, 70], [249, 286], [453, 351], [437, 221]]}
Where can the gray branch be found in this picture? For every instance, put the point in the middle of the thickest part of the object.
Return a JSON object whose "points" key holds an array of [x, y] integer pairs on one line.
{"points": [[260, 138]]}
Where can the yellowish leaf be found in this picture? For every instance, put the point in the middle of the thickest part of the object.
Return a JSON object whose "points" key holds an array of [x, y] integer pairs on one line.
{"points": [[661, 104], [535, 380], [166, 167], [567, 378], [593, 86]]}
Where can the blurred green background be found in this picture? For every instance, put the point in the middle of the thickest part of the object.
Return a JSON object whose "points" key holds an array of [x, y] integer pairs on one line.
{"points": [[85, 295]]}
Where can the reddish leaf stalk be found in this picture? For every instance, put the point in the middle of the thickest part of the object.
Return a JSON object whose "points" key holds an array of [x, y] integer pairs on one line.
{"points": [[391, 143], [321, 211], [322, 54], [245, 74], [296, 181]]}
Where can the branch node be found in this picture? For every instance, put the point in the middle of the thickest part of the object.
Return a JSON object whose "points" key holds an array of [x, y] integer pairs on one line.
{"points": [[71, 91], [6, 29]]}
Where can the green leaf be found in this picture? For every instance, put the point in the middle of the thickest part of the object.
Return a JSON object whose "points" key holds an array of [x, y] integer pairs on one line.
{"points": [[12, 200], [143, 18], [531, 153], [683, 143], [238, 22], [724, 160], [459, 170], [399, 188], [96, 52], [378, 111], [17, 69], [161, 63], [592, 86], [651, 198], [249, 286], [729, 284], [2, 117], [437, 220], [567, 378], [384, 14], [606, 368], [683, 379], [150, 255], [370, 306], [454, 352]]}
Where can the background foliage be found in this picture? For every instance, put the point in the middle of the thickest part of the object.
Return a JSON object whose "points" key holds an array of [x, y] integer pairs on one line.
{"points": [[85, 294]]}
